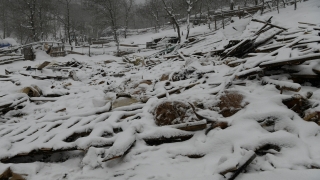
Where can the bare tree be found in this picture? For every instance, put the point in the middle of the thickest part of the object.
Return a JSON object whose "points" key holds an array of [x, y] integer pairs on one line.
{"points": [[170, 12], [111, 9], [153, 7], [65, 19], [190, 4], [127, 4], [208, 4], [4, 17], [231, 4]]}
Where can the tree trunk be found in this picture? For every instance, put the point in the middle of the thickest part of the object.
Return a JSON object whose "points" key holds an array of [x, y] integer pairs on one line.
{"points": [[278, 6], [116, 38], [295, 4], [200, 10], [188, 26], [262, 8], [68, 23], [231, 5], [178, 29]]}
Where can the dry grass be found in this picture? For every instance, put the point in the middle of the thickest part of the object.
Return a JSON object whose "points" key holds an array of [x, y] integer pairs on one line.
{"points": [[230, 103]]}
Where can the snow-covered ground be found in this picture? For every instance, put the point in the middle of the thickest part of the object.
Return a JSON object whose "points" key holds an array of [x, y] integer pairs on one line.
{"points": [[85, 102]]}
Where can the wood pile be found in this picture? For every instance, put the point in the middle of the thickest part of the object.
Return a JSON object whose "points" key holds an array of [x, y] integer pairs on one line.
{"points": [[135, 112]]}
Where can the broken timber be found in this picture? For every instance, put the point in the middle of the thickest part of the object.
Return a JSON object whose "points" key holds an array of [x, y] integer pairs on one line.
{"points": [[282, 85], [256, 20], [245, 161], [290, 61]]}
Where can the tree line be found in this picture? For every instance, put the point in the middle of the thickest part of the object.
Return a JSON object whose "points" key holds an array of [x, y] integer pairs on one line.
{"points": [[63, 20]]}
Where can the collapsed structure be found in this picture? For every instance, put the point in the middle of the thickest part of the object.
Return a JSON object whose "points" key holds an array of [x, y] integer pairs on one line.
{"points": [[249, 104]]}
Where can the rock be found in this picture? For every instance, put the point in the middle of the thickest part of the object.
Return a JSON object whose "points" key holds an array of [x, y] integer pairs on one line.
{"points": [[99, 102], [9, 174], [123, 101], [298, 104], [148, 82], [173, 112], [32, 91], [165, 77]]}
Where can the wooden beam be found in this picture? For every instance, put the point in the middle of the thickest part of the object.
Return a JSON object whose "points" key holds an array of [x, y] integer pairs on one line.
{"points": [[290, 61], [282, 85], [273, 25]]}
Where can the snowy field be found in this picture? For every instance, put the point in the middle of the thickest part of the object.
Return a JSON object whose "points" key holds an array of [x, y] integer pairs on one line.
{"points": [[87, 104]]}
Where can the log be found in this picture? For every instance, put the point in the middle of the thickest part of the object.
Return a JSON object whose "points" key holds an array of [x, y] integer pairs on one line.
{"points": [[43, 65], [286, 37], [286, 46], [236, 62], [317, 28], [316, 69], [310, 24], [73, 52], [124, 142], [245, 161], [309, 41], [265, 30], [176, 90], [292, 32], [6, 107], [269, 48], [161, 140], [282, 85], [45, 99], [257, 44], [260, 30], [233, 49], [191, 126], [256, 20], [290, 61], [249, 72], [129, 45]]}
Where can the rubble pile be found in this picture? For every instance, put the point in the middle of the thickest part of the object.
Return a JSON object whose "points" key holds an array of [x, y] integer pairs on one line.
{"points": [[237, 105]]}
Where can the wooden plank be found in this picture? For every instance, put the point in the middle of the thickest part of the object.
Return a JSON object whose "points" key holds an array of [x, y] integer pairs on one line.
{"points": [[264, 26], [44, 64], [161, 140], [316, 69], [290, 61], [245, 161], [191, 126], [249, 72], [33, 99], [310, 24], [273, 25], [282, 85]]}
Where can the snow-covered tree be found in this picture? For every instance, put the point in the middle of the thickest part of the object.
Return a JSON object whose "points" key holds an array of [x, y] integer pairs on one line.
{"points": [[190, 4]]}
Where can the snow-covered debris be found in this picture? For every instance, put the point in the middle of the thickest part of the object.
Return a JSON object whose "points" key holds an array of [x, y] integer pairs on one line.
{"points": [[240, 102]]}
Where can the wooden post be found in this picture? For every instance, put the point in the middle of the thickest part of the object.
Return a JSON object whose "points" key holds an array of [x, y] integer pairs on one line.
{"points": [[89, 51], [239, 12], [215, 23], [223, 21]]}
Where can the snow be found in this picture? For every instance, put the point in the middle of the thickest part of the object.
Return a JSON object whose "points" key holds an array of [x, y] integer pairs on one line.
{"points": [[85, 106]]}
